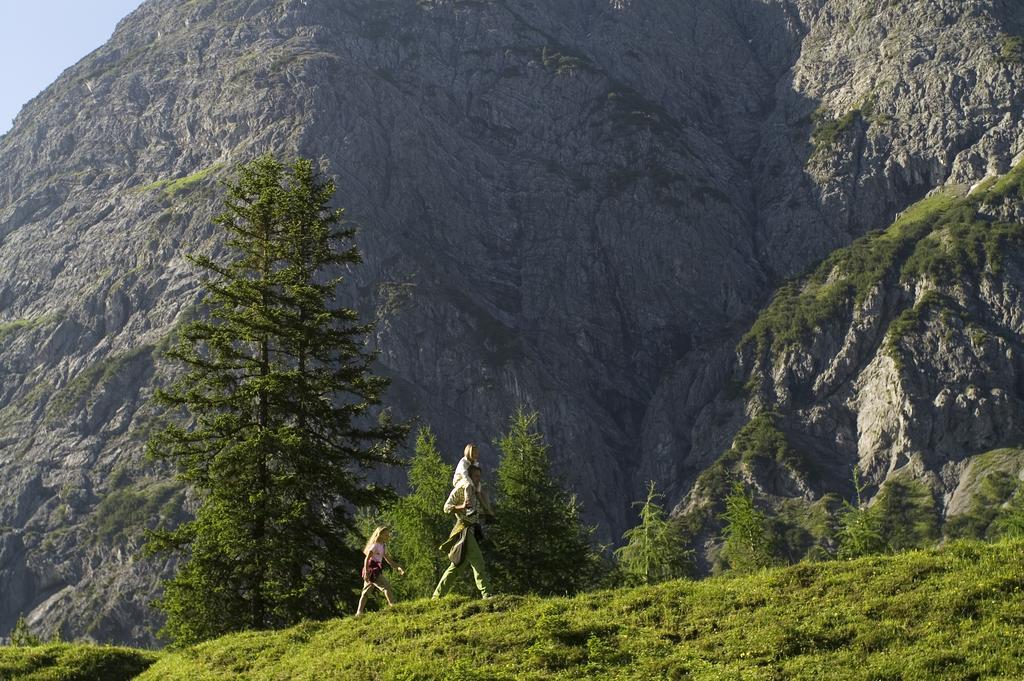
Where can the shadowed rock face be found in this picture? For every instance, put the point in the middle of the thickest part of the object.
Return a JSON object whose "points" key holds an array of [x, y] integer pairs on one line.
{"points": [[577, 206]]}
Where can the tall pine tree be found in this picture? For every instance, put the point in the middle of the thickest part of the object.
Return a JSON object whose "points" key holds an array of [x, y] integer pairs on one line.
{"points": [[539, 544], [655, 549], [418, 521], [279, 389]]}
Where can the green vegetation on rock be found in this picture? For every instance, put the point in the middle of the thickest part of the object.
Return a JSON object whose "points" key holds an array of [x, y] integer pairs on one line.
{"points": [[14, 326], [908, 514], [126, 512], [908, 322], [94, 377], [563, 63], [960, 242], [1011, 49], [948, 613], [939, 238], [828, 130], [987, 505], [171, 188], [806, 530], [761, 438]]}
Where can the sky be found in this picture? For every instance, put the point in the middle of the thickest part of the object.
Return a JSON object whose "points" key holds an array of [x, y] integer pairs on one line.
{"points": [[41, 38]]}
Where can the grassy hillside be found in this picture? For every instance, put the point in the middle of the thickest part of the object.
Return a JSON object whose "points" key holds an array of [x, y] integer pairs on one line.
{"points": [[950, 613], [73, 662]]}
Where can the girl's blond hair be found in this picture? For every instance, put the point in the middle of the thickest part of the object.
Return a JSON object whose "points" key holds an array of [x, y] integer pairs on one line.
{"points": [[374, 538], [470, 449]]}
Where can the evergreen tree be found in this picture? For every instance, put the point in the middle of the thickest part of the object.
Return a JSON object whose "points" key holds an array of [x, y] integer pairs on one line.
{"points": [[418, 521], [748, 542], [907, 514], [540, 545], [278, 386], [655, 549], [21, 636], [860, 531]]}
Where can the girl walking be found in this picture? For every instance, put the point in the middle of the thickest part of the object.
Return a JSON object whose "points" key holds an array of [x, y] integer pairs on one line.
{"points": [[375, 553]]}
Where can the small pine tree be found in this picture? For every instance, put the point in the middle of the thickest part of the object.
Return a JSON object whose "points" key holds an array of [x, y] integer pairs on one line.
{"points": [[748, 541], [540, 544], [418, 522], [22, 636], [860, 531], [279, 388], [655, 549]]}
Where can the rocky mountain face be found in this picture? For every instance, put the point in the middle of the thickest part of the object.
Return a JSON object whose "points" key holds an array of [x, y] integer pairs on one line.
{"points": [[898, 357], [577, 206]]}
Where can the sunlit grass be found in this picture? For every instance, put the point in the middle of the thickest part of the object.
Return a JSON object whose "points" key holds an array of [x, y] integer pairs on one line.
{"points": [[953, 612]]}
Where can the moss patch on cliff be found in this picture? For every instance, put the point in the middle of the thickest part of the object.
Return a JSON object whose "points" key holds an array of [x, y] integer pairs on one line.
{"points": [[171, 188], [761, 438], [1011, 49], [994, 491], [92, 379], [1009, 459], [996, 190], [908, 323], [126, 512], [806, 531], [954, 612], [563, 62], [15, 326], [828, 130]]}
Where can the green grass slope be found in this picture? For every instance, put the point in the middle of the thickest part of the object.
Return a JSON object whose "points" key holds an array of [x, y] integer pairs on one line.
{"points": [[955, 612], [73, 662]]}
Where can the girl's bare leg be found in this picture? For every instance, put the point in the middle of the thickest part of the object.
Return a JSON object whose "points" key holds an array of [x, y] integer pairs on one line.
{"points": [[367, 587]]}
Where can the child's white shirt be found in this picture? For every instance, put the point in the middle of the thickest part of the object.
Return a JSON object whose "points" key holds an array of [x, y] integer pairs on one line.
{"points": [[461, 471]]}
